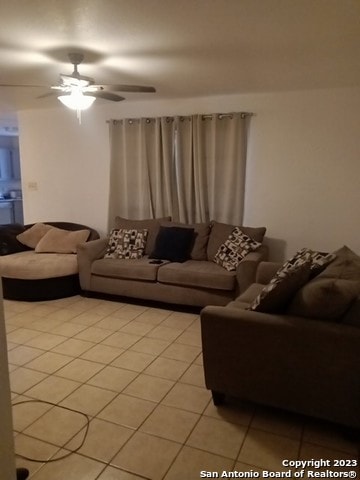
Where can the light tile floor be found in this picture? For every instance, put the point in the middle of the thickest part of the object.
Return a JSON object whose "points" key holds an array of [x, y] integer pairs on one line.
{"points": [[137, 372]]}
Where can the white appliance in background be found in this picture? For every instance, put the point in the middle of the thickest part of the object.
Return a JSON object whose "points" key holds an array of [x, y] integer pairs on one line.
{"points": [[6, 213], [6, 171]]}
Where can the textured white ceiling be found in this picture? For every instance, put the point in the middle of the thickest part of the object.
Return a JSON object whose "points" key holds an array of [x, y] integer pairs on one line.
{"points": [[184, 48]]}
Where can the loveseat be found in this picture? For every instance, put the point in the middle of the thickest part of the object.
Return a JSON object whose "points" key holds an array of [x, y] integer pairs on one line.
{"points": [[197, 281], [304, 357], [34, 271]]}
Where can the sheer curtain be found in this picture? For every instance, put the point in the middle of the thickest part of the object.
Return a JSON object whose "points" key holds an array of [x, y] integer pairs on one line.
{"points": [[211, 163], [191, 168], [141, 168]]}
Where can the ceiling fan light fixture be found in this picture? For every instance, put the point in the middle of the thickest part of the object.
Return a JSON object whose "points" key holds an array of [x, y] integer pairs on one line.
{"points": [[76, 100]]}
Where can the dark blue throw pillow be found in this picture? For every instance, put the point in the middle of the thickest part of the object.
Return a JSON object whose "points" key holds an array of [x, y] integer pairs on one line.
{"points": [[174, 244]]}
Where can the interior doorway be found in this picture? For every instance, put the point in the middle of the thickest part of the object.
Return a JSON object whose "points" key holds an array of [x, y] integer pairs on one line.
{"points": [[11, 204]]}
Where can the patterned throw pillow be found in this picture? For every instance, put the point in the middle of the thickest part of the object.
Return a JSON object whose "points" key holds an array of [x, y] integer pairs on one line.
{"points": [[234, 249], [318, 260], [128, 244], [277, 294]]}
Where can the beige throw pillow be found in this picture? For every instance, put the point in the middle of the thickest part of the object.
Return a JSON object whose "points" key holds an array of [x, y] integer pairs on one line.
{"points": [[58, 240], [32, 236]]}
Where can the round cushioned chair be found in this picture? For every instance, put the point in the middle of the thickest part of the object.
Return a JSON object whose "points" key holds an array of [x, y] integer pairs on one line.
{"points": [[40, 276]]}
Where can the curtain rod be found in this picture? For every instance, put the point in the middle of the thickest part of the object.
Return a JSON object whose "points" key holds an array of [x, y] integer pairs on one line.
{"points": [[204, 117], [221, 115]]}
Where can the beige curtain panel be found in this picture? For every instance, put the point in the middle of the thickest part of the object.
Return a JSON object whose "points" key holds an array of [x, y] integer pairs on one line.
{"points": [[190, 168], [141, 168]]}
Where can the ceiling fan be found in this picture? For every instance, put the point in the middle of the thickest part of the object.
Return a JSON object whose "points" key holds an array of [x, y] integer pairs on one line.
{"points": [[88, 86], [79, 92]]}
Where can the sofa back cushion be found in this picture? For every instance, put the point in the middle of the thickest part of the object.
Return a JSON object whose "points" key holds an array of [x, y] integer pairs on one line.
{"points": [[324, 298], [220, 233], [329, 295], [152, 225], [346, 266], [201, 238]]}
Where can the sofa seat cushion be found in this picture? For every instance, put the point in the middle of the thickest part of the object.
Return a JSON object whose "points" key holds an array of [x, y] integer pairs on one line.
{"points": [[197, 273], [29, 265], [134, 269]]}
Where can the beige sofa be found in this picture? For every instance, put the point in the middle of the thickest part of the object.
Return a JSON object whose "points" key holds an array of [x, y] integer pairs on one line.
{"points": [[305, 364], [196, 282]]}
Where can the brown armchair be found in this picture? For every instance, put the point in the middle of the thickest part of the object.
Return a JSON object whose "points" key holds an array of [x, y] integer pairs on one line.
{"points": [[300, 364]]}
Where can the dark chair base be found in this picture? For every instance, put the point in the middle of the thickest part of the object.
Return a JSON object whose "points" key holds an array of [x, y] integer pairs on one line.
{"points": [[41, 289], [218, 398], [22, 473]]}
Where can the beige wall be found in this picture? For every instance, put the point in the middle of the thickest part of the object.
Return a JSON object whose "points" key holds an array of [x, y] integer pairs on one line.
{"points": [[303, 163]]}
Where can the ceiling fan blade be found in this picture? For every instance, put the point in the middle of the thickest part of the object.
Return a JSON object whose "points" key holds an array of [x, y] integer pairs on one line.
{"points": [[105, 95], [22, 86], [125, 88], [62, 88], [49, 94]]}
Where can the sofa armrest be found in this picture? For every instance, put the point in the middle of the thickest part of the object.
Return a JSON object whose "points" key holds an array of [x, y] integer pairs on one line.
{"points": [[246, 270], [86, 254], [276, 335], [266, 271], [301, 364]]}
